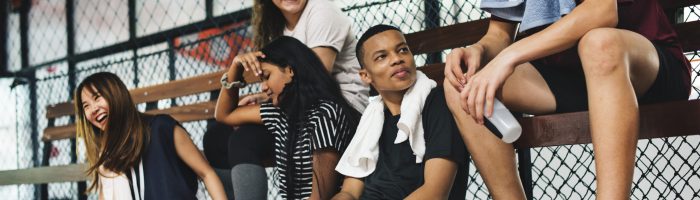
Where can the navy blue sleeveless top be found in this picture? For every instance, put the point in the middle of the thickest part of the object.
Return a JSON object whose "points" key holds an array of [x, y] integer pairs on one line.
{"points": [[165, 174]]}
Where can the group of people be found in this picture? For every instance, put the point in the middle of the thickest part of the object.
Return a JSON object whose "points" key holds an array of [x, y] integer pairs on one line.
{"points": [[330, 140]]}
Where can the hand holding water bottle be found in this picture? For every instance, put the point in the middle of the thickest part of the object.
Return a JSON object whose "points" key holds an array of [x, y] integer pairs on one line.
{"points": [[502, 123]]}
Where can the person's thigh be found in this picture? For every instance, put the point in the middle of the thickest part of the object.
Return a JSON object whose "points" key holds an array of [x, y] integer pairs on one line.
{"points": [[527, 91]]}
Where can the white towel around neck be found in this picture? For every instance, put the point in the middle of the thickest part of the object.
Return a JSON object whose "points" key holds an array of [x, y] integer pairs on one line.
{"points": [[360, 158]]}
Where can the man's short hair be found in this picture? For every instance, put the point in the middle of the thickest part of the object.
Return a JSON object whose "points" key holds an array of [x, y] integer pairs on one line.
{"points": [[368, 34]]}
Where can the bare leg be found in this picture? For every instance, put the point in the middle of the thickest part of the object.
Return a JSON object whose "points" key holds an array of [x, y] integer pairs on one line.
{"points": [[494, 158], [618, 64]]}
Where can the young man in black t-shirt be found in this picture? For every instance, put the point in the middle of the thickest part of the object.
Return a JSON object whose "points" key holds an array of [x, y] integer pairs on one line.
{"points": [[388, 66]]}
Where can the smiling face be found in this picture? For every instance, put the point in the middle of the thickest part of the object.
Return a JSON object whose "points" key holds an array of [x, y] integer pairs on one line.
{"points": [[290, 7], [388, 62], [95, 107], [274, 79]]}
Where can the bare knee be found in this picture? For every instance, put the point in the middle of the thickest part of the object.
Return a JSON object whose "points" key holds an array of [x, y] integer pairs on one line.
{"points": [[602, 51], [452, 98]]}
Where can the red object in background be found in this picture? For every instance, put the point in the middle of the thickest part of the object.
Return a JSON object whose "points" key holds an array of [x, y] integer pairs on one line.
{"points": [[54, 152], [51, 69], [220, 49]]}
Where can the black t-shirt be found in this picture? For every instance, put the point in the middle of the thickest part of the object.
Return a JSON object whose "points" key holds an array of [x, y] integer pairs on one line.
{"points": [[397, 174]]}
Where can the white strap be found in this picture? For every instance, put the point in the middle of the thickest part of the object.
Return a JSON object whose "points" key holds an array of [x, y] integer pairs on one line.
{"points": [[143, 181], [141, 190]]}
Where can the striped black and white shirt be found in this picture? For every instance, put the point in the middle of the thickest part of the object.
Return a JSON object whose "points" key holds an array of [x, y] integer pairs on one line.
{"points": [[327, 127]]}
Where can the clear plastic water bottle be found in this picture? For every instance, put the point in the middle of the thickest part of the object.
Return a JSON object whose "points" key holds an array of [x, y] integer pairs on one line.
{"points": [[502, 123]]}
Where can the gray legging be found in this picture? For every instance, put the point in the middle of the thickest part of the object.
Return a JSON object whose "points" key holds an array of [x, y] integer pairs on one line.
{"points": [[248, 147]]}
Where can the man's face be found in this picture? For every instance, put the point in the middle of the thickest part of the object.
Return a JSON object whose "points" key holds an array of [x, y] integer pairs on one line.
{"points": [[389, 64]]}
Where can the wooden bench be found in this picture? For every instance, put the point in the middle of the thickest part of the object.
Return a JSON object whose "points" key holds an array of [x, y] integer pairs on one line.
{"points": [[657, 120]]}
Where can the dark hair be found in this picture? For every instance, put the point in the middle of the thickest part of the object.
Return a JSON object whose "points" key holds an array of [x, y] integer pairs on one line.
{"points": [[310, 84], [368, 34], [268, 22], [120, 145]]}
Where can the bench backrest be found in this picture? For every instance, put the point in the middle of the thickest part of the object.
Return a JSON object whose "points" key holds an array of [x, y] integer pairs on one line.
{"points": [[173, 89]]}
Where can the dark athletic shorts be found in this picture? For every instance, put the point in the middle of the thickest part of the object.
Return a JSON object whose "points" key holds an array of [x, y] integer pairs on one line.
{"points": [[250, 144], [564, 75]]}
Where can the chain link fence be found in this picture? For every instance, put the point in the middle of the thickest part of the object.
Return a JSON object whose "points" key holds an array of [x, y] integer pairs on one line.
{"points": [[153, 42]]}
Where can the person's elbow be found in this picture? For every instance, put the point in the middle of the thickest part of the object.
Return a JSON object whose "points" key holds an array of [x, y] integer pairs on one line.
{"points": [[205, 174], [223, 117], [219, 116]]}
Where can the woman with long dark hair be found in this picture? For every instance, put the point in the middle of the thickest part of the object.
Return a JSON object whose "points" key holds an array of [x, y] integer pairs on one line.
{"points": [[132, 155], [322, 27], [310, 120]]}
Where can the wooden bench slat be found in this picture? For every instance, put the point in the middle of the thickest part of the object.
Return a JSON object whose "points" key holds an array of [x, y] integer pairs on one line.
{"points": [[667, 119], [434, 71], [177, 88], [58, 133], [688, 33], [186, 113], [38, 175], [671, 4], [442, 38], [58, 110]]}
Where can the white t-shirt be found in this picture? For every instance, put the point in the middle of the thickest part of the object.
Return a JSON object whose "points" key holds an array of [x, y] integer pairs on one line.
{"points": [[323, 25]]}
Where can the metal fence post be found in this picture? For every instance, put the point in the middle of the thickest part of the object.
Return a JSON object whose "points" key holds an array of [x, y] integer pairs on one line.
{"points": [[209, 9], [39, 189], [525, 170], [4, 18], [171, 64], [70, 40], [132, 39], [432, 20]]}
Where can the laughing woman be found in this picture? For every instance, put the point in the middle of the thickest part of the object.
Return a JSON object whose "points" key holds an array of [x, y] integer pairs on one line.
{"points": [[308, 117], [132, 155]]}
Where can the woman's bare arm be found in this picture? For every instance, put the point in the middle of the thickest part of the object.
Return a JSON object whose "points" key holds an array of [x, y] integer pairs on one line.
{"points": [[189, 154]]}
